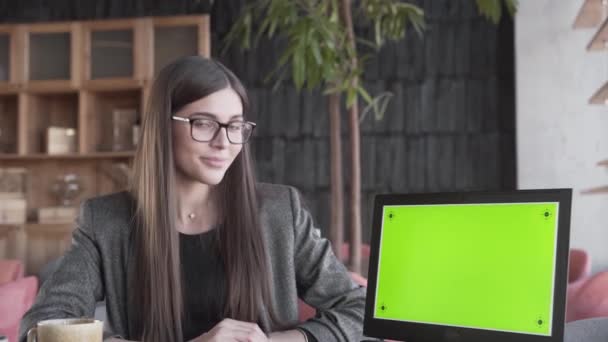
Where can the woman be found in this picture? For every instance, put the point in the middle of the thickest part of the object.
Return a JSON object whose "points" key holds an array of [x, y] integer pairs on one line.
{"points": [[197, 250]]}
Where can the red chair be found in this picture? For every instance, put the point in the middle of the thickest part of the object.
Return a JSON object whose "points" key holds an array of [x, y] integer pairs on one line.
{"points": [[345, 250], [579, 269], [16, 298], [10, 270]]}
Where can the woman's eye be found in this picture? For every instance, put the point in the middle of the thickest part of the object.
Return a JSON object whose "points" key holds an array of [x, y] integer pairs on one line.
{"points": [[203, 124], [236, 127]]}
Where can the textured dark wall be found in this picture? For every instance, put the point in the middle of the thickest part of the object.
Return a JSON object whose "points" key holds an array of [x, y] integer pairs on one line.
{"points": [[450, 125], [58, 10]]}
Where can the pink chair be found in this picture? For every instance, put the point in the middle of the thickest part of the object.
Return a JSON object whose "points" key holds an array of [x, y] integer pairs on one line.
{"points": [[587, 295], [16, 298], [345, 249], [10, 270], [579, 269]]}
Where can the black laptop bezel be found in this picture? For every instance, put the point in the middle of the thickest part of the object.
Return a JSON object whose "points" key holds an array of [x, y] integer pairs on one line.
{"points": [[419, 332]]}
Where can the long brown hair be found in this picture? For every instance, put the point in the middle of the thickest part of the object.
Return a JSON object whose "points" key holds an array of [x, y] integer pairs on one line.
{"points": [[156, 293]]}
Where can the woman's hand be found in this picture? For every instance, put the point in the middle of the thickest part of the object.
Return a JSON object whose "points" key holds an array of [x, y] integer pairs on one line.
{"points": [[230, 330]]}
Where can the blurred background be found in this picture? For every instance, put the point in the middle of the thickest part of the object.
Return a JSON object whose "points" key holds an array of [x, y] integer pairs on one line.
{"points": [[475, 104]]}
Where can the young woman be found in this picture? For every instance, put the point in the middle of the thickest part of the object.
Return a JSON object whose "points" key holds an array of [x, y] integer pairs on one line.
{"points": [[196, 250]]}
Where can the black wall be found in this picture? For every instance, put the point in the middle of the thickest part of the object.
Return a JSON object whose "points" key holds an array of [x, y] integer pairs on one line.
{"points": [[450, 125]]}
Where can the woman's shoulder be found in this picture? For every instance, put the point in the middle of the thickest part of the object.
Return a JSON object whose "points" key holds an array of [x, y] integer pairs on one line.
{"points": [[275, 196], [112, 204], [108, 214], [272, 190], [279, 204]]}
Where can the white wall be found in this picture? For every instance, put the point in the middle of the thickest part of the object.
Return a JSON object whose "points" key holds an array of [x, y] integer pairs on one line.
{"points": [[560, 137]]}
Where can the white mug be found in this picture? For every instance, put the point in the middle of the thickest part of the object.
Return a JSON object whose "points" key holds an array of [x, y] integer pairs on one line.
{"points": [[67, 330]]}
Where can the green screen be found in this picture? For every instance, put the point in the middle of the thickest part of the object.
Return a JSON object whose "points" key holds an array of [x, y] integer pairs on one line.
{"points": [[484, 266]]}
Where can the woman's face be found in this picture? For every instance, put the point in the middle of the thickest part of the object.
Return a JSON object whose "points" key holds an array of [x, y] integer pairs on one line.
{"points": [[207, 162]]}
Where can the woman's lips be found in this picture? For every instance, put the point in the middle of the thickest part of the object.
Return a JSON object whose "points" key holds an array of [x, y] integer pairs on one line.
{"points": [[214, 162]]}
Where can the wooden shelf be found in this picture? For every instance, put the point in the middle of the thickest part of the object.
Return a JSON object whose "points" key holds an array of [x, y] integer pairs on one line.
{"points": [[35, 225], [84, 75], [51, 86], [9, 118], [590, 14], [598, 42], [597, 190], [601, 96], [49, 227], [44, 156], [115, 84], [9, 89]]}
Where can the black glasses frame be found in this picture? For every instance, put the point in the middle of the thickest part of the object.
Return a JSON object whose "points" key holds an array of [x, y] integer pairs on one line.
{"points": [[219, 128]]}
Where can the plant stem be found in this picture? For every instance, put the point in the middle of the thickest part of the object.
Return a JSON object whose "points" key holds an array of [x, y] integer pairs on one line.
{"points": [[336, 230], [355, 160]]}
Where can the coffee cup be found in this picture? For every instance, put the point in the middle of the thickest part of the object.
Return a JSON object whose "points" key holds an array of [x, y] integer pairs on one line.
{"points": [[67, 330]]}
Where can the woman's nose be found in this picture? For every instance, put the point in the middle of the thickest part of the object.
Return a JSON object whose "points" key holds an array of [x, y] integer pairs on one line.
{"points": [[221, 138]]}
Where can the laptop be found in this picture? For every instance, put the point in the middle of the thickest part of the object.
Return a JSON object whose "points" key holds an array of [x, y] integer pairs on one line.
{"points": [[475, 266]]}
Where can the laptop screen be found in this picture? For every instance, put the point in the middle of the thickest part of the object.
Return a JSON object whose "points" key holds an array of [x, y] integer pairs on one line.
{"points": [[488, 266]]}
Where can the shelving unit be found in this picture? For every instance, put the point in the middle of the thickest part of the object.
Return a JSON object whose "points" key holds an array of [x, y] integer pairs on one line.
{"points": [[97, 109], [78, 75], [590, 15], [594, 13], [598, 42], [178, 36], [51, 55], [81, 156], [601, 96], [9, 118]]}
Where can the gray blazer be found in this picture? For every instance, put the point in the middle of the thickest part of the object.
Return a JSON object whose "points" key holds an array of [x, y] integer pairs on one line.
{"points": [[96, 265]]}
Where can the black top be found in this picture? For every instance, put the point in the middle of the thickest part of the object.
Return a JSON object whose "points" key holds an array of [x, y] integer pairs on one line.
{"points": [[204, 282], [204, 279]]}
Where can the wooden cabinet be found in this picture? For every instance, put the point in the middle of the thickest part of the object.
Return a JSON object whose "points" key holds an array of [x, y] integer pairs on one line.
{"points": [[34, 244], [51, 57], [83, 77]]}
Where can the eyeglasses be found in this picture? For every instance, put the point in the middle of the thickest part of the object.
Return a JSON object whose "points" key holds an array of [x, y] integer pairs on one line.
{"points": [[205, 130]]}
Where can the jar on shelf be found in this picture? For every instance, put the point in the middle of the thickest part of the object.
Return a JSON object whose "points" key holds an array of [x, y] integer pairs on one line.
{"points": [[122, 129]]}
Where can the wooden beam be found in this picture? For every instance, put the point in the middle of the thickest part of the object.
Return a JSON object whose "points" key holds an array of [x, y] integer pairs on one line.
{"points": [[601, 96], [598, 42], [596, 190], [591, 14]]}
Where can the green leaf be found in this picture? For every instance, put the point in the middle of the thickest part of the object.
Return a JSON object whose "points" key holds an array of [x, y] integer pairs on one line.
{"points": [[381, 104], [378, 105], [389, 18], [331, 90], [314, 47], [351, 97], [491, 9], [364, 94], [367, 43], [378, 33], [299, 69], [512, 6]]}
